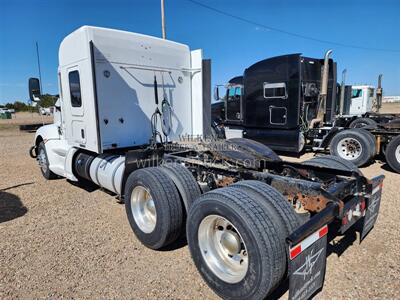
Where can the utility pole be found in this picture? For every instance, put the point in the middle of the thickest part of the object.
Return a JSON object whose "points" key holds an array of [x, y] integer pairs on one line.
{"points": [[38, 61], [164, 36]]}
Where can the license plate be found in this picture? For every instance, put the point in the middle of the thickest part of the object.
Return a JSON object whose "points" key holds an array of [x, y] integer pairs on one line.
{"points": [[373, 203], [307, 265]]}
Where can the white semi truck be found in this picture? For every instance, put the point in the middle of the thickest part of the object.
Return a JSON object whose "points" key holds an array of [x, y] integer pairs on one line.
{"points": [[251, 220]]}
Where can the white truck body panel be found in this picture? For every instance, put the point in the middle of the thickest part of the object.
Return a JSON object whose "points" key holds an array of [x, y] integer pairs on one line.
{"points": [[362, 100], [125, 65], [56, 147]]}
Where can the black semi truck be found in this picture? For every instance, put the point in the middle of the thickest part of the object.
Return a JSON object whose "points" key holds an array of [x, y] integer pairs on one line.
{"points": [[292, 103]]}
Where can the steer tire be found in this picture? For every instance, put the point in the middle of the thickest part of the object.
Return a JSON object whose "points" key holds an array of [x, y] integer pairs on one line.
{"points": [[259, 233], [363, 122], [184, 181], [393, 154], [167, 204], [332, 162], [366, 149], [45, 169]]}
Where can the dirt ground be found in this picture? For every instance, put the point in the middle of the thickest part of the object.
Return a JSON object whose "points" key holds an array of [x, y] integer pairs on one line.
{"points": [[390, 107], [22, 118], [58, 240]]}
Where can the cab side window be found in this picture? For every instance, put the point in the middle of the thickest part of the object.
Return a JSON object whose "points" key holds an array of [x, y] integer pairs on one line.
{"points": [[75, 89], [275, 90], [356, 93]]}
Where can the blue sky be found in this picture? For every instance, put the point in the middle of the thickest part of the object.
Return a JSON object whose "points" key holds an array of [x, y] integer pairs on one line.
{"points": [[231, 44]]}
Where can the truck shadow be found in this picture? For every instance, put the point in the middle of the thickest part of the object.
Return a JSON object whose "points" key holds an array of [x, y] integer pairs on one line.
{"points": [[339, 246], [11, 207], [386, 167], [179, 243], [86, 185]]}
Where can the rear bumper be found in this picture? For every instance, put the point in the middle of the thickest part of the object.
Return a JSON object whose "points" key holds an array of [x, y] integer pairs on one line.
{"points": [[308, 244], [354, 210]]}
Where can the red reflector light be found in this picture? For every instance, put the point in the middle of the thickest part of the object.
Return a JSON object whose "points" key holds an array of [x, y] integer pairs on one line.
{"points": [[295, 251], [323, 231], [362, 205]]}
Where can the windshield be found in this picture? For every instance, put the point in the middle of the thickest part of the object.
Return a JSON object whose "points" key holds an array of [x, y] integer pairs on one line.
{"points": [[234, 92]]}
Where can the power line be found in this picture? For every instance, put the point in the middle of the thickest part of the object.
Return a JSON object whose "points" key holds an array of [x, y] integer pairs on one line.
{"points": [[288, 32]]}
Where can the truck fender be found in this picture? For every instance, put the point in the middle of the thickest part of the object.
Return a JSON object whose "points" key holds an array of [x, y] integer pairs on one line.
{"points": [[44, 133], [68, 166], [327, 139]]}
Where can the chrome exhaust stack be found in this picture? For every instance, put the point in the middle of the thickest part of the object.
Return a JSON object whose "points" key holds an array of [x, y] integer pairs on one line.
{"points": [[325, 74], [323, 92], [379, 93], [342, 89]]}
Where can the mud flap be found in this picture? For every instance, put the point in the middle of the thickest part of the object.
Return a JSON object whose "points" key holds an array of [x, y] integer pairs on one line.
{"points": [[307, 265], [373, 203]]}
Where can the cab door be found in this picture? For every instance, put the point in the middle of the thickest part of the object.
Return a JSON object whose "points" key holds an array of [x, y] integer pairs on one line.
{"points": [[73, 96], [356, 104], [233, 104]]}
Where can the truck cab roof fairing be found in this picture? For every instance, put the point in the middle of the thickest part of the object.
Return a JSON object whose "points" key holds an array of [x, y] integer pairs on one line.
{"points": [[75, 47]]}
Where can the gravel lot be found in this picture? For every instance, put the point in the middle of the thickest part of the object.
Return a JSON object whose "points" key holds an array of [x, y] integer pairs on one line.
{"points": [[58, 240]]}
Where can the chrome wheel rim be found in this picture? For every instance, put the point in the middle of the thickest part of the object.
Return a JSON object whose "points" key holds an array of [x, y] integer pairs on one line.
{"points": [[349, 148], [397, 153], [143, 209], [223, 249], [42, 160]]}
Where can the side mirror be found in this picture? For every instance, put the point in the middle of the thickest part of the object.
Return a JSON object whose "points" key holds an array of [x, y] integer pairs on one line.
{"points": [[216, 93], [34, 89]]}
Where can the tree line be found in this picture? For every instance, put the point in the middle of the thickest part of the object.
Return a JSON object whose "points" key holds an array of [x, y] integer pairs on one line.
{"points": [[45, 101]]}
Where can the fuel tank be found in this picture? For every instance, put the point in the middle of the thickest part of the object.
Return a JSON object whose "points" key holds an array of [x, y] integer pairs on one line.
{"points": [[105, 170]]}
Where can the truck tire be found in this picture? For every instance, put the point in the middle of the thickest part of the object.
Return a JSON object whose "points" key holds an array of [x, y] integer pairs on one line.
{"points": [[274, 200], [235, 244], [353, 145], [184, 181], [372, 140], [153, 207], [363, 122], [44, 162], [333, 162], [393, 154]]}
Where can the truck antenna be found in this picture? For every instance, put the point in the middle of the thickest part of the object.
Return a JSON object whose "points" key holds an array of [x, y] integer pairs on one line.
{"points": [[38, 61], [164, 36]]}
